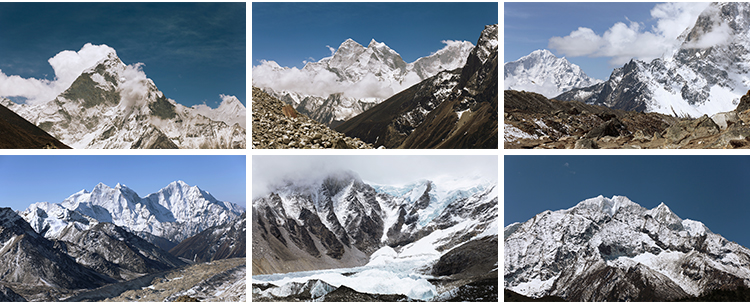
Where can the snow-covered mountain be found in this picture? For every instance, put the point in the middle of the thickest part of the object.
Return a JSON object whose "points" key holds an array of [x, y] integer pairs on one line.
{"points": [[174, 213], [707, 74], [544, 73], [453, 109], [353, 79], [612, 249], [115, 106], [341, 221]]}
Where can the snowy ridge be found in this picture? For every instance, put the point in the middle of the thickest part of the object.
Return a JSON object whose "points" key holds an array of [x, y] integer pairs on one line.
{"points": [[175, 212], [615, 233], [544, 73]]}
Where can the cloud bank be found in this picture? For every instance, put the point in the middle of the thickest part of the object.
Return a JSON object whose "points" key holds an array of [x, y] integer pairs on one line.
{"points": [[322, 83], [269, 171], [622, 42], [67, 65]]}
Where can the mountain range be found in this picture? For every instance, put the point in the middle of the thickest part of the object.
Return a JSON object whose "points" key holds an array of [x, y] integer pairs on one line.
{"points": [[115, 106], [165, 218], [452, 109], [354, 79], [339, 221], [612, 249], [544, 73], [706, 74], [90, 246]]}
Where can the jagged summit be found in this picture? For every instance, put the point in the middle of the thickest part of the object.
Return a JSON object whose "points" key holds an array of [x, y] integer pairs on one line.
{"points": [[175, 212], [542, 72], [611, 244]]}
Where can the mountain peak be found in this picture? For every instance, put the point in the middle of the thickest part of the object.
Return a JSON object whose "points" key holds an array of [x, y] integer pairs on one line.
{"points": [[349, 43], [544, 73]]}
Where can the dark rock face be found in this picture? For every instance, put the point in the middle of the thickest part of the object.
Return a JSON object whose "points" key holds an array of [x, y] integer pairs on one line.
{"points": [[639, 283], [483, 290], [469, 259], [218, 242], [346, 294], [8, 295], [154, 139], [744, 103], [115, 252], [29, 258]]}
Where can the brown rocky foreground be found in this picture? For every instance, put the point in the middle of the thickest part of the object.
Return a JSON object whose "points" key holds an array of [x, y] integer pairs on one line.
{"points": [[278, 126], [533, 121]]}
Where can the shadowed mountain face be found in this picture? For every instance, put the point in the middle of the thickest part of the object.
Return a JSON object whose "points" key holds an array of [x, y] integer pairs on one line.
{"points": [[18, 133], [453, 109], [219, 242], [28, 258]]}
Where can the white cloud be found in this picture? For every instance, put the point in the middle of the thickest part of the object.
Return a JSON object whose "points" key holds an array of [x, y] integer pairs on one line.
{"points": [[622, 42], [268, 171], [67, 65], [321, 83], [134, 89]]}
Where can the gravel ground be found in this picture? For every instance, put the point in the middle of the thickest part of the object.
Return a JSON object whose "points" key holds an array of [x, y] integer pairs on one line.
{"points": [[275, 127]]}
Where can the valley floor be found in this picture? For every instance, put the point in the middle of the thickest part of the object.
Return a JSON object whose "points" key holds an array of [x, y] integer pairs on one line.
{"points": [[217, 281]]}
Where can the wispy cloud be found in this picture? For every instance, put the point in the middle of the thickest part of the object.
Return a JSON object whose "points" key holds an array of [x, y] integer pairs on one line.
{"points": [[622, 41]]}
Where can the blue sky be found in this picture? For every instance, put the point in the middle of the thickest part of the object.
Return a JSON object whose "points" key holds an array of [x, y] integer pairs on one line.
{"points": [[530, 26], [710, 189], [290, 33], [48, 178], [193, 51]]}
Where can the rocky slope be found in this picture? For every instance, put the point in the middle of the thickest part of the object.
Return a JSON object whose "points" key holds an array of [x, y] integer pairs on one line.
{"points": [[174, 213], [218, 242], [533, 121], [279, 126], [19, 133], [114, 106], [115, 252], [453, 109], [606, 249], [542, 72], [31, 263], [355, 78], [707, 74]]}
